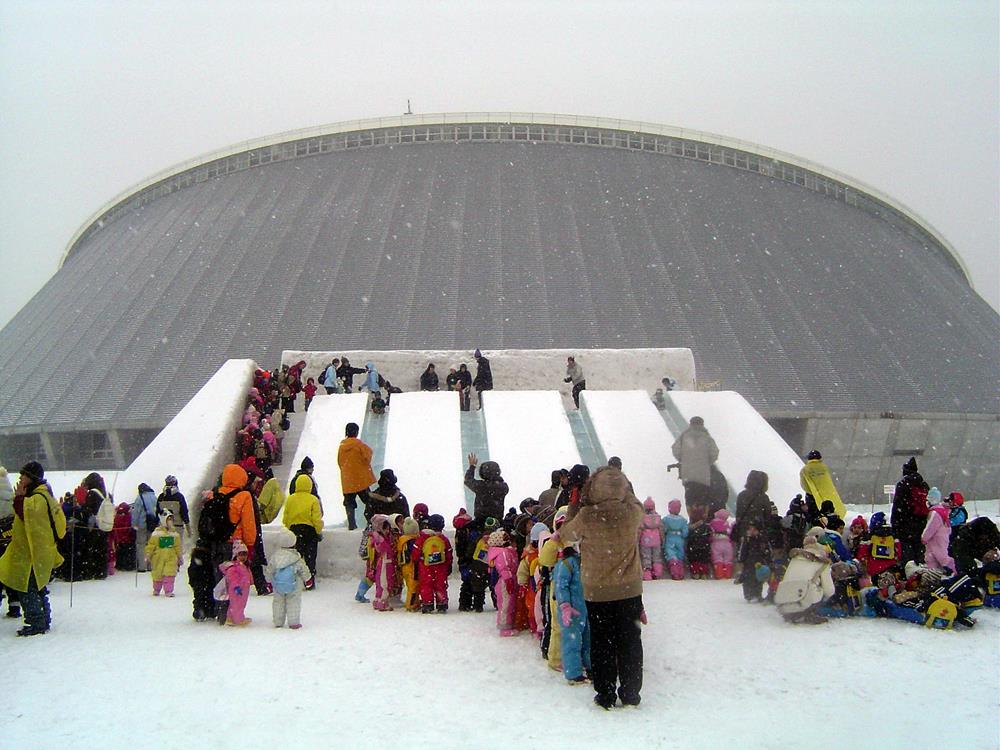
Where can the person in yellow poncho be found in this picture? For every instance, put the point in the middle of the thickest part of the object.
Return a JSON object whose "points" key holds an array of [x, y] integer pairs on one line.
{"points": [[815, 480], [28, 563]]}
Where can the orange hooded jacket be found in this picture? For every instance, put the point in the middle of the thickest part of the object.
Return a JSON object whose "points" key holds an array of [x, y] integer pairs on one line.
{"points": [[241, 504]]}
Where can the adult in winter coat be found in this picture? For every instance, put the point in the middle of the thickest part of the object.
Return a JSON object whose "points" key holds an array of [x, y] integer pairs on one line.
{"points": [[304, 518], [371, 382], [346, 373], [144, 521], [330, 377], [547, 498], [241, 512], [937, 534], [490, 489], [606, 522], [806, 583], [288, 574], [463, 384], [356, 476], [306, 467], [815, 480], [753, 504], [484, 376], [696, 451], [574, 375], [95, 518], [909, 510], [429, 379], [386, 498], [173, 501], [31, 556]]}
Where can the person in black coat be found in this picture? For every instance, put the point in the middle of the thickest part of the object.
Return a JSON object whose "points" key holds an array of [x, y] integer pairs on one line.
{"points": [[909, 511], [490, 489], [970, 541], [387, 498], [346, 373], [429, 379], [484, 376], [753, 504]]}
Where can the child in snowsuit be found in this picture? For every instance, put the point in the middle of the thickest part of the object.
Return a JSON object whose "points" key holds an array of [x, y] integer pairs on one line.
{"points": [[404, 564], [526, 582], [675, 533], [575, 639], [309, 389], [472, 541], [163, 555], [937, 533], [288, 574], [651, 542], [548, 556], [384, 547], [238, 579], [502, 558], [201, 578], [432, 556], [856, 534], [755, 554], [881, 552], [806, 583], [722, 544]]}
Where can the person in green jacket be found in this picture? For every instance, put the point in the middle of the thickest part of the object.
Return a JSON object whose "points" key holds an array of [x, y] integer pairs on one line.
{"points": [[271, 498], [27, 565]]}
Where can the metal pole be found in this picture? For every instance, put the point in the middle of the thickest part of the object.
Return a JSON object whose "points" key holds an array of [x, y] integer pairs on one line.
{"points": [[72, 560]]}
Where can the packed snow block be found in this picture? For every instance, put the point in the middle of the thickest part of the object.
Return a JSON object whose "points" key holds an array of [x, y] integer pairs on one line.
{"points": [[529, 435], [629, 426], [520, 369], [197, 443], [423, 447], [320, 440], [746, 441]]}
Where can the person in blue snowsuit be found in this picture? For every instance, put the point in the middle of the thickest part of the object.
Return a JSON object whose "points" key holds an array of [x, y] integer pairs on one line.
{"points": [[572, 616], [675, 533]]}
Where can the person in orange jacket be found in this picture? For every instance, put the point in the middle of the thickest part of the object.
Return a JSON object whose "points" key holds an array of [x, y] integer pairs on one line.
{"points": [[356, 475], [240, 505]]}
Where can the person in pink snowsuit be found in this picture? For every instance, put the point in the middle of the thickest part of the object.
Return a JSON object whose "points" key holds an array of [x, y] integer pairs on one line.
{"points": [[238, 582], [722, 544], [502, 558], [384, 545], [651, 542], [937, 533]]}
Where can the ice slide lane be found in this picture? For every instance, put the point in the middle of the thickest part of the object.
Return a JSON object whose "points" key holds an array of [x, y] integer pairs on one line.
{"points": [[746, 441], [629, 426], [321, 435], [529, 435], [423, 447]]}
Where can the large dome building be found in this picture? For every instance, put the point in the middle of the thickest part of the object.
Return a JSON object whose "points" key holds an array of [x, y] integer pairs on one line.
{"points": [[844, 318]]}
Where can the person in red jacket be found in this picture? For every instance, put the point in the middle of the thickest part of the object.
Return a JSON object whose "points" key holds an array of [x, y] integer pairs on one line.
{"points": [[309, 390], [432, 557]]}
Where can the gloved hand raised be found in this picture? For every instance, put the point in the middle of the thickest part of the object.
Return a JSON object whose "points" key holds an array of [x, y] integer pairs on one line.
{"points": [[567, 613]]}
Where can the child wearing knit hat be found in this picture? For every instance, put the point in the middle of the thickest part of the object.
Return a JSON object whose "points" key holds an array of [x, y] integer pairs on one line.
{"points": [[651, 542], [502, 559], [289, 575], [675, 533], [238, 579]]}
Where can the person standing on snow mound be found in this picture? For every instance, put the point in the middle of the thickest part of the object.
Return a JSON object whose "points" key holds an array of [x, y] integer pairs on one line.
{"points": [[356, 476], [490, 489], [605, 520], [574, 375], [696, 451], [484, 376]]}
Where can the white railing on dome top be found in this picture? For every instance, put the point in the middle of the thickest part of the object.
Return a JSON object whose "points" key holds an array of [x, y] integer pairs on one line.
{"points": [[526, 118]]}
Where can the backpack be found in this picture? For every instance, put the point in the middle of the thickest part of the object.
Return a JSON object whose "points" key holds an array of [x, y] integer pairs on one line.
{"points": [[284, 580], [106, 515], [918, 500], [214, 524], [322, 378], [433, 551], [883, 547]]}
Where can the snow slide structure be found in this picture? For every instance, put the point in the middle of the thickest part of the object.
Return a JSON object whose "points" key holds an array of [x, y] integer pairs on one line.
{"points": [[529, 429]]}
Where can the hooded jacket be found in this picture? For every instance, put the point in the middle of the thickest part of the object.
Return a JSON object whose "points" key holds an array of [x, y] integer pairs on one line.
{"points": [[163, 550], [606, 522], [696, 451], [302, 507], [490, 494], [240, 505], [33, 545], [285, 554], [355, 461], [807, 581], [270, 501], [387, 498], [752, 504]]}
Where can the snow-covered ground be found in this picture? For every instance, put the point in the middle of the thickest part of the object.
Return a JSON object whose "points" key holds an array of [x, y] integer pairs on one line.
{"points": [[125, 669]]}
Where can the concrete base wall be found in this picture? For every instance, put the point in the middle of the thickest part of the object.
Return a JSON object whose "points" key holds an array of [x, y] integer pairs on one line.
{"points": [[867, 451]]}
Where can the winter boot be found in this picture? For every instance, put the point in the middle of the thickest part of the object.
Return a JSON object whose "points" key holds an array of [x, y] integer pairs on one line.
{"points": [[362, 590], [442, 608], [676, 570], [14, 612], [723, 570], [657, 571], [426, 609], [647, 575]]}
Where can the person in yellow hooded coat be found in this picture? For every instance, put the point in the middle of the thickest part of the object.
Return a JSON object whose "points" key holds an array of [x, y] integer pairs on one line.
{"points": [[304, 518], [27, 565], [815, 480]]}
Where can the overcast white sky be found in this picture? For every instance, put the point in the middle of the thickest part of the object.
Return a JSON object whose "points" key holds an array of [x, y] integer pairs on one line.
{"points": [[96, 96]]}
